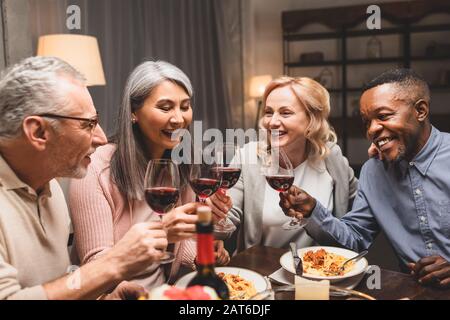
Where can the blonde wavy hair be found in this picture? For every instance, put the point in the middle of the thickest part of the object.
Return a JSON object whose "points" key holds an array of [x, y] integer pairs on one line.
{"points": [[316, 101]]}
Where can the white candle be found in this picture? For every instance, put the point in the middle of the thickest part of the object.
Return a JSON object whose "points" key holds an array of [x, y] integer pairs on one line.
{"points": [[311, 290]]}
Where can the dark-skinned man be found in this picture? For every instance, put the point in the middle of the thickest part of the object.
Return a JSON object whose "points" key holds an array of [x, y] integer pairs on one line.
{"points": [[405, 191]]}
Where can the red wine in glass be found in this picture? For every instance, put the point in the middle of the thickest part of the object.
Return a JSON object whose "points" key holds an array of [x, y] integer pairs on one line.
{"points": [[280, 183], [161, 190], [280, 176], [205, 187], [162, 199], [230, 168], [230, 176]]}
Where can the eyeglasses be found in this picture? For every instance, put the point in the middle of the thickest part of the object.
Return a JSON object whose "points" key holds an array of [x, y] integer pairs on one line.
{"points": [[92, 122]]}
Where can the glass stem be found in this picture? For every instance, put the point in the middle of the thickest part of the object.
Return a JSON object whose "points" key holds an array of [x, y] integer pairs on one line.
{"points": [[223, 220]]}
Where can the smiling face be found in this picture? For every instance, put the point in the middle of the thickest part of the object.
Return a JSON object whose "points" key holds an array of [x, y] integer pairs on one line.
{"points": [[394, 124], [75, 140], [165, 110], [284, 114]]}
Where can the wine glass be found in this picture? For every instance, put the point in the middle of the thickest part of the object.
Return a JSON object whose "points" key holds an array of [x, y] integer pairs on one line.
{"points": [[162, 190], [230, 168], [280, 176], [204, 177]]}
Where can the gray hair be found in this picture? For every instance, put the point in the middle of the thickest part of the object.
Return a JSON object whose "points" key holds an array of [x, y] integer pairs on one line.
{"points": [[30, 87], [128, 163]]}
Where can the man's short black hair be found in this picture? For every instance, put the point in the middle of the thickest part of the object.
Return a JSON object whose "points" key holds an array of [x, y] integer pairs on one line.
{"points": [[415, 87]]}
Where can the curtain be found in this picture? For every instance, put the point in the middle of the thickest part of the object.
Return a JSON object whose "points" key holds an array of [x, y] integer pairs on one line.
{"points": [[201, 37], [2, 40]]}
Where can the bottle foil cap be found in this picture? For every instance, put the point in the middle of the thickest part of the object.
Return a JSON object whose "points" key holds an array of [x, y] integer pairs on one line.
{"points": [[204, 214]]}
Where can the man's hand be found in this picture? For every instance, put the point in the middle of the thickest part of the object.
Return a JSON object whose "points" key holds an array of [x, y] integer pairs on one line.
{"points": [[220, 203], [433, 270], [297, 203], [180, 222], [142, 245], [221, 254], [126, 291], [374, 152]]}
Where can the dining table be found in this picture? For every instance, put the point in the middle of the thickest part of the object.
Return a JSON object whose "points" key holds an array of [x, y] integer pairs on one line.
{"points": [[393, 285]]}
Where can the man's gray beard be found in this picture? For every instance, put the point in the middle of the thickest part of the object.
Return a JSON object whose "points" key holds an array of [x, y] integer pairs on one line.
{"points": [[62, 171], [59, 165], [75, 173]]}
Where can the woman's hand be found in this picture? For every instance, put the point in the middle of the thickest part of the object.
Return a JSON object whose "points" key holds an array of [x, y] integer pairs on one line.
{"points": [[220, 203], [179, 223], [221, 254]]}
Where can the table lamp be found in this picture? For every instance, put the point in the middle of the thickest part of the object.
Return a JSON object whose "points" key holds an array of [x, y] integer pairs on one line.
{"points": [[80, 51]]}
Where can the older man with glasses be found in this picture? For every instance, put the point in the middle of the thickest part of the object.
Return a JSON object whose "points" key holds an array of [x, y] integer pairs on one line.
{"points": [[48, 129]]}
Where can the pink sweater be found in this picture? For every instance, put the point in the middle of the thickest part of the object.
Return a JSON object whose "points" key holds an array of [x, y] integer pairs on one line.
{"points": [[101, 216]]}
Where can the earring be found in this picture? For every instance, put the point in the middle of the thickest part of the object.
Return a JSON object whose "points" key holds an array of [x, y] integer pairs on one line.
{"points": [[133, 120]]}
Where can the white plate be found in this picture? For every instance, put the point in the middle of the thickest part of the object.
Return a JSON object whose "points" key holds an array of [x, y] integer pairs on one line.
{"points": [[287, 263], [258, 280]]}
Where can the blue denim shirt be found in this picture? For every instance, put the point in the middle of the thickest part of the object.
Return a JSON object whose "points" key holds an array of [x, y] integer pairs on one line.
{"points": [[410, 202]]}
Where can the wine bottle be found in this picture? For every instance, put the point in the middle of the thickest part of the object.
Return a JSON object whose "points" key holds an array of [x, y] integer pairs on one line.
{"points": [[206, 276]]}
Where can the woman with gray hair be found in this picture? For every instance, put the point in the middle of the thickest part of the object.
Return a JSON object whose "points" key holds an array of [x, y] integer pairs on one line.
{"points": [[104, 205]]}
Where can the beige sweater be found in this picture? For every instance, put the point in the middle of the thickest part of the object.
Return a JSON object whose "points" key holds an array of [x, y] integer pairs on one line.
{"points": [[101, 216], [33, 236]]}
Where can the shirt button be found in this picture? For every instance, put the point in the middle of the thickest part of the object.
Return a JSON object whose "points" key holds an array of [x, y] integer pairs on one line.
{"points": [[411, 164], [418, 192], [422, 218], [429, 246]]}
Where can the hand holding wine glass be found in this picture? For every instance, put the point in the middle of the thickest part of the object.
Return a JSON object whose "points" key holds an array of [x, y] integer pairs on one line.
{"points": [[180, 222], [141, 246], [162, 183], [204, 177], [230, 168], [280, 176], [297, 203]]}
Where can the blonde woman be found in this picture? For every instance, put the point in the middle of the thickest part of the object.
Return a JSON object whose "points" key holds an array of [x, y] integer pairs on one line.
{"points": [[298, 109]]}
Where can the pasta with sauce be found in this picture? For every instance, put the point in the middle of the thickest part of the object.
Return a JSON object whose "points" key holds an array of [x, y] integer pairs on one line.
{"points": [[240, 288], [323, 263]]}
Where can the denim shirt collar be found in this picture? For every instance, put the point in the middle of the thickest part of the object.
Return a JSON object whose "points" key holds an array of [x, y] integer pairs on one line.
{"points": [[423, 160]]}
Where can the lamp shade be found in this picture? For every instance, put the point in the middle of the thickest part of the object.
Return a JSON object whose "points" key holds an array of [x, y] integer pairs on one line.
{"points": [[258, 85], [80, 51]]}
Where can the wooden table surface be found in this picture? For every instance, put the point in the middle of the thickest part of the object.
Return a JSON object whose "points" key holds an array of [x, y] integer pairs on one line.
{"points": [[394, 285]]}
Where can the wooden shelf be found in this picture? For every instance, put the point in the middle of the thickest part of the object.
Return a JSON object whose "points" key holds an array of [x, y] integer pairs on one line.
{"points": [[348, 62], [375, 61], [341, 22], [436, 58], [313, 64], [364, 33], [312, 36], [432, 87]]}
